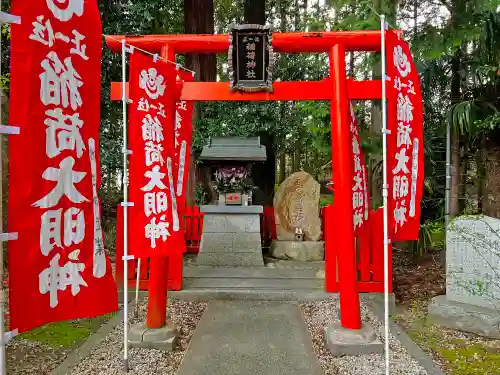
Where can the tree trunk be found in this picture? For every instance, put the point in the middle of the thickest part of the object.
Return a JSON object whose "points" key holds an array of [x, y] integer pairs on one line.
{"points": [[296, 158], [199, 19], [464, 167], [456, 10], [481, 175], [455, 94], [491, 201], [282, 170], [255, 12], [283, 105]]}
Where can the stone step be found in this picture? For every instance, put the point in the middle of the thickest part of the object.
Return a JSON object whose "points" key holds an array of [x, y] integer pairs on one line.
{"points": [[258, 283], [248, 272], [206, 294], [295, 264], [230, 260]]}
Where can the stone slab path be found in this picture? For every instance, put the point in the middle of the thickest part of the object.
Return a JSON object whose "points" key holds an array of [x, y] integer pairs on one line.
{"points": [[251, 338]]}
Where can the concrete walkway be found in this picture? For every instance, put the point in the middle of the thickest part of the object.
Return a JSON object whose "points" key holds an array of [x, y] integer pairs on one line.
{"points": [[250, 338]]}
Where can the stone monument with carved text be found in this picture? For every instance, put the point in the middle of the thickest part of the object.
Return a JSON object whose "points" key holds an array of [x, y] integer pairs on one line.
{"points": [[472, 300], [297, 218]]}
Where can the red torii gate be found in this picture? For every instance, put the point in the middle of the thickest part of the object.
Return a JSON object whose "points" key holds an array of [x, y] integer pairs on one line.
{"points": [[337, 88]]}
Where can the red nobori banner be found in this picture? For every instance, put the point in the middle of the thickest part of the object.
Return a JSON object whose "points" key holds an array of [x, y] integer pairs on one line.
{"points": [[405, 143], [152, 170], [360, 198], [58, 269], [183, 140]]}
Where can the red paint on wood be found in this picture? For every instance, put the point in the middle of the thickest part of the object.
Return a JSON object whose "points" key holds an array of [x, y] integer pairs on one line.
{"points": [[157, 293], [304, 90], [363, 241], [144, 270], [361, 40], [330, 249], [158, 270], [377, 244], [363, 287], [193, 228], [175, 268], [342, 178], [267, 226]]}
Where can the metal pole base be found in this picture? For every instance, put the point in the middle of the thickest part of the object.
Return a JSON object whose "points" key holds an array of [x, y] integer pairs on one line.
{"points": [[125, 365]]}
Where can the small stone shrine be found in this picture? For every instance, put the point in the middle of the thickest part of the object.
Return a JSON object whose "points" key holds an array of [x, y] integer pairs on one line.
{"points": [[298, 222], [472, 299], [231, 225]]}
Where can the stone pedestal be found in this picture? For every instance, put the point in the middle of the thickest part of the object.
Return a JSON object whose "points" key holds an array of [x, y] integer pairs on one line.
{"points": [[140, 336], [231, 237], [472, 267], [341, 341], [304, 251], [480, 320]]}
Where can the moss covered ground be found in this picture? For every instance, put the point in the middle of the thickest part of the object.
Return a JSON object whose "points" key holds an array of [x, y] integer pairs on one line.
{"points": [[67, 334], [458, 353]]}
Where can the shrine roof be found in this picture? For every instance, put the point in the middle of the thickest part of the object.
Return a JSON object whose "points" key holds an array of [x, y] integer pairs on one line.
{"points": [[234, 148]]}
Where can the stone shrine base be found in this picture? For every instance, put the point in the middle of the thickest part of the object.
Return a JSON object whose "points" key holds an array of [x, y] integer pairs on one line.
{"points": [[465, 317], [140, 336], [304, 251], [231, 237], [341, 341]]}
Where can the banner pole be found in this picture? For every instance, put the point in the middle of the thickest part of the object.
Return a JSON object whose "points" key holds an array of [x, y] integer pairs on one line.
{"points": [[3, 364], [385, 194], [125, 211], [138, 271], [4, 237]]}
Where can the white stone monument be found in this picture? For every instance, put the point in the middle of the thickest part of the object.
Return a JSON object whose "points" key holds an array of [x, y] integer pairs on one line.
{"points": [[472, 300]]}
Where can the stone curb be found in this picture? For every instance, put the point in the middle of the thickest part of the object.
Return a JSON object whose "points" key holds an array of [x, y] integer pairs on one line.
{"points": [[413, 349], [77, 355]]}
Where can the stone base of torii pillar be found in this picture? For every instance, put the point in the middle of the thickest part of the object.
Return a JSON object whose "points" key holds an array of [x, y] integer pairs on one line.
{"points": [[165, 338]]}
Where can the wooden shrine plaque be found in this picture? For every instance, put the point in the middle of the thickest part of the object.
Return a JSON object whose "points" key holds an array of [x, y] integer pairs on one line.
{"points": [[251, 58]]}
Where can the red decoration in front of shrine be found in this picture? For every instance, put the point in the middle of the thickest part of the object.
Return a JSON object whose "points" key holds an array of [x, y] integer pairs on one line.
{"points": [[152, 173], [360, 195], [58, 269], [182, 141], [405, 142]]}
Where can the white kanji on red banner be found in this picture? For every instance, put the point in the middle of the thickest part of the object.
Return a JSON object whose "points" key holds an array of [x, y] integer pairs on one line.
{"points": [[59, 260], [64, 10], [360, 201], [405, 122], [152, 83]]}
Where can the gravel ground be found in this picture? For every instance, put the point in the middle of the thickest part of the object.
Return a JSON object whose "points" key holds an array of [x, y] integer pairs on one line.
{"points": [[319, 314], [107, 358], [28, 357]]}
